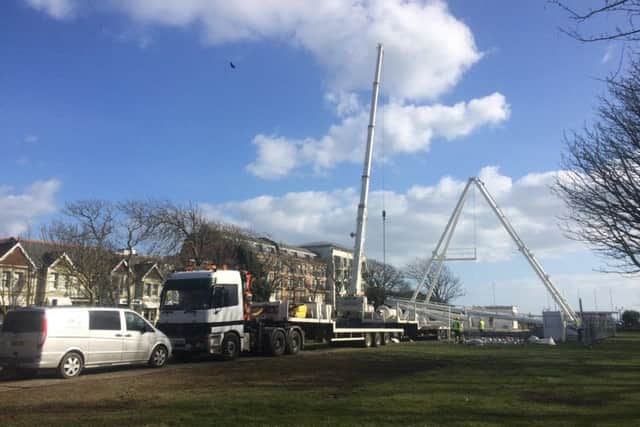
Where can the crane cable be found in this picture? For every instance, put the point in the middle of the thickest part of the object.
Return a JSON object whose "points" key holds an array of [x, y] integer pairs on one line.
{"points": [[384, 211]]}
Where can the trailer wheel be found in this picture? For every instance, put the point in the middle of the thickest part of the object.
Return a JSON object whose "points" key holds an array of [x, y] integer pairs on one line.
{"points": [[377, 339], [368, 339], [386, 338], [277, 342], [294, 343], [230, 347]]}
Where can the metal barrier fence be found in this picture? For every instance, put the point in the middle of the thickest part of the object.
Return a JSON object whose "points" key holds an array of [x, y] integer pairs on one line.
{"points": [[596, 326]]}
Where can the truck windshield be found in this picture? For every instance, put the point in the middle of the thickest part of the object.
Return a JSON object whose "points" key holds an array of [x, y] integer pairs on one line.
{"points": [[186, 294]]}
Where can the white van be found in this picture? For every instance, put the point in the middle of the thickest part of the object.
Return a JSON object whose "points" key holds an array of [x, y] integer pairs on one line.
{"points": [[70, 339]]}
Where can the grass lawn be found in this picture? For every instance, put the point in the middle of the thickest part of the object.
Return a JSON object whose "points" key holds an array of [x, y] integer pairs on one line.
{"points": [[405, 384]]}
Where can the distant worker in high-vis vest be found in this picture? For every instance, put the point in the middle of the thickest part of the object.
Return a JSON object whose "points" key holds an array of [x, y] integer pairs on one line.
{"points": [[457, 330], [481, 326]]}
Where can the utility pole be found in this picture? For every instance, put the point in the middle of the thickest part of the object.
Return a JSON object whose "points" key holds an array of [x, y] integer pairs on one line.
{"points": [[611, 299], [384, 238], [493, 291]]}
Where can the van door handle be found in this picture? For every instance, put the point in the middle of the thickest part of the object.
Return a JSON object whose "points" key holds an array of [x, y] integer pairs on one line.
{"points": [[128, 335], [118, 335]]}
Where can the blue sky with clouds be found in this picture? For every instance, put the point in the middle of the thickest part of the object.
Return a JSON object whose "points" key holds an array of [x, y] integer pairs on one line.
{"points": [[131, 99]]}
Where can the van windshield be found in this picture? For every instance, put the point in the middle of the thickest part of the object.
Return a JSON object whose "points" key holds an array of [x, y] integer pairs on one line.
{"points": [[186, 294], [23, 321]]}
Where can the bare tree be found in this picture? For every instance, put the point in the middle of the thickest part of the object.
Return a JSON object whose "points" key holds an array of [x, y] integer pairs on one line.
{"points": [[448, 287], [180, 230], [136, 226], [186, 231], [87, 236], [620, 16], [602, 186], [381, 280]]}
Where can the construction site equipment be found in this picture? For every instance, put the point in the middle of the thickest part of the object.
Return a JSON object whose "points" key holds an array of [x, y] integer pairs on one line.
{"points": [[355, 288], [439, 254], [212, 311]]}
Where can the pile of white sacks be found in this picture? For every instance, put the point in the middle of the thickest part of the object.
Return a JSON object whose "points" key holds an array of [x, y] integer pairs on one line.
{"points": [[509, 340]]}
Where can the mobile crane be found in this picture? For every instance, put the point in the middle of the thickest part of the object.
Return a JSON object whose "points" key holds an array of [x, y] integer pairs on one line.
{"points": [[211, 311]]}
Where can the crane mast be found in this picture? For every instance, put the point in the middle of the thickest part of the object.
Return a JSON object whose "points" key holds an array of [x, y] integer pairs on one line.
{"points": [[439, 254], [355, 288]]}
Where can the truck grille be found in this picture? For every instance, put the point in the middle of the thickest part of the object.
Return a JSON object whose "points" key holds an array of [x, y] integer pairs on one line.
{"points": [[184, 330]]}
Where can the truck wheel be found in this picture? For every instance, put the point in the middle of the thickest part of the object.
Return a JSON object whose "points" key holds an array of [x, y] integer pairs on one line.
{"points": [[386, 338], [294, 344], [368, 339], [71, 365], [277, 343], [230, 347], [377, 339]]}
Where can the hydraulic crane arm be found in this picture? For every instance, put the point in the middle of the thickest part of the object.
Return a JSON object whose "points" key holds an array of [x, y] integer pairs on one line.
{"points": [[537, 267], [439, 254]]}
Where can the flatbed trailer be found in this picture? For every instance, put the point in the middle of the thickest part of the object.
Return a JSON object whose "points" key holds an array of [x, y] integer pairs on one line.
{"points": [[209, 312]]}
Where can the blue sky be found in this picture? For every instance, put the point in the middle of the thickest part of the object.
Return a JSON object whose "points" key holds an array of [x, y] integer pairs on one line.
{"points": [[122, 100]]}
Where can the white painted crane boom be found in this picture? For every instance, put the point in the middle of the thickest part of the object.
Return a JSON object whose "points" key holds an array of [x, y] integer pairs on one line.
{"points": [[440, 251], [355, 288], [439, 254], [537, 267]]}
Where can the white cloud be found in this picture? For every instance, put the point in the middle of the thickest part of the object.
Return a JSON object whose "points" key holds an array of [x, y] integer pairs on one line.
{"points": [[404, 129], [276, 157], [19, 210], [427, 48], [58, 9], [416, 218]]}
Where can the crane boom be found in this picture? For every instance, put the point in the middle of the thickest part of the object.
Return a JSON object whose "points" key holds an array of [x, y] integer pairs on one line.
{"points": [[355, 288], [537, 267], [439, 254]]}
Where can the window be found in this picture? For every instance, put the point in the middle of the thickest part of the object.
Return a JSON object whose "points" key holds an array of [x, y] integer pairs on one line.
{"points": [[156, 289], [18, 280], [6, 279], [123, 287], [23, 321], [147, 289], [186, 294], [104, 320], [54, 281], [134, 322], [225, 296]]}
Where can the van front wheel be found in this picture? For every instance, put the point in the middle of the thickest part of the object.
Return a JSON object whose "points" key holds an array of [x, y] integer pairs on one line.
{"points": [[71, 365], [158, 357]]}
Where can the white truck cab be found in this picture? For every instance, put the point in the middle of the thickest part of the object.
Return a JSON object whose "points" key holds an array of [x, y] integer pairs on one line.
{"points": [[202, 311]]}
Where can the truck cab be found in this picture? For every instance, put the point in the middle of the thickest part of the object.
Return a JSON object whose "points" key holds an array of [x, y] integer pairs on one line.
{"points": [[202, 312]]}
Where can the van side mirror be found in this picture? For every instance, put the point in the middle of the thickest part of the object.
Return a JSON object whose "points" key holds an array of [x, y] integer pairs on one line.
{"points": [[148, 328]]}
